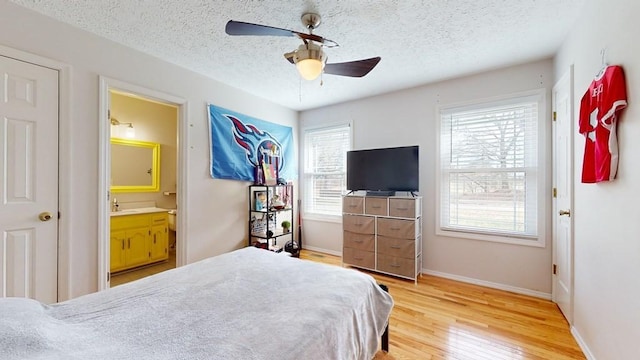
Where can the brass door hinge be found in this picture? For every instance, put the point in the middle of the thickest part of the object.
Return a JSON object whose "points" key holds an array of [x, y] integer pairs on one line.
{"points": [[555, 192], [555, 269], [108, 276], [555, 114]]}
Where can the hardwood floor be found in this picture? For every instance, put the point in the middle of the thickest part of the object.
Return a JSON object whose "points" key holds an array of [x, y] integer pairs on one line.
{"points": [[444, 319]]}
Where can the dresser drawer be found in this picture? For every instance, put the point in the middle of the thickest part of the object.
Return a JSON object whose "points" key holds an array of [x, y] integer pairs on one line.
{"points": [[353, 204], [397, 228], [403, 248], [375, 206], [366, 259], [358, 224], [359, 241], [397, 265], [406, 208]]}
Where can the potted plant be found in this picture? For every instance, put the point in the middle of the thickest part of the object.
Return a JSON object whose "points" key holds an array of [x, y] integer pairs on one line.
{"points": [[286, 226]]}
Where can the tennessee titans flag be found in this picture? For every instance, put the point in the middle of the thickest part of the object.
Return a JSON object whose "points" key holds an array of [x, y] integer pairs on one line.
{"points": [[238, 142]]}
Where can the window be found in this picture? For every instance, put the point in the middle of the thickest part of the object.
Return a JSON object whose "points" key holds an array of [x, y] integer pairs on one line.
{"points": [[489, 170], [325, 165]]}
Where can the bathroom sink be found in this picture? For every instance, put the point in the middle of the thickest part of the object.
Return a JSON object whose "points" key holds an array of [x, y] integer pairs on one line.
{"points": [[137, 211], [128, 211], [125, 212]]}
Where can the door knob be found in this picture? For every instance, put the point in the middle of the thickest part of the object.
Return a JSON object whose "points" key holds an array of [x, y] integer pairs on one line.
{"points": [[564, 212], [45, 216]]}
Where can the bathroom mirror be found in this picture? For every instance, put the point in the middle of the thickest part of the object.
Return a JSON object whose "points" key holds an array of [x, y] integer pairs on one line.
{"points": [[135, 166]]}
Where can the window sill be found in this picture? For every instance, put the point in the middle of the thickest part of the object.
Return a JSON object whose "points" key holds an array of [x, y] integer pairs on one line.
{"points": [[322, 218], [533, 241]]}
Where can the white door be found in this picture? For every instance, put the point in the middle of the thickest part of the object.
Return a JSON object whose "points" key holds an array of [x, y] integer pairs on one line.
{"points": [[29, 181], [563, 195]]}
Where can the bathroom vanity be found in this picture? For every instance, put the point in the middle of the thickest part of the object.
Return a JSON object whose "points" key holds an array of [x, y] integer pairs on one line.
{"points": [[138, 237]]}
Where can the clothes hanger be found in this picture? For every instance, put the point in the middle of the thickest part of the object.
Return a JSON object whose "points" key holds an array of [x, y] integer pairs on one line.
{"points": [[604, 65]]}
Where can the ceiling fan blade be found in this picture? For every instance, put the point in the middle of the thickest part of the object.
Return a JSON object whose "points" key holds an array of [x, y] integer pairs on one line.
{"points": [[357, 68], [243, 28]]}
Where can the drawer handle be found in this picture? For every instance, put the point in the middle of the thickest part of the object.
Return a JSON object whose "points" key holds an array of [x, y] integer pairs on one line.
{"points": [[353, 205], [358, 241], [394, 228], [376, 206], [358, 224], [402, 209], [358, 258], [394, 265], [395, 247]]}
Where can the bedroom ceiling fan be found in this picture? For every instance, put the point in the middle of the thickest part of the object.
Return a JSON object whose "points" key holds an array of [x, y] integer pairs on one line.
{"points": [[309, 58]]}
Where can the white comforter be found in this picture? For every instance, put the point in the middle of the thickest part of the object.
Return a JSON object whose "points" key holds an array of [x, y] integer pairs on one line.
{"points": [[244, 305]]}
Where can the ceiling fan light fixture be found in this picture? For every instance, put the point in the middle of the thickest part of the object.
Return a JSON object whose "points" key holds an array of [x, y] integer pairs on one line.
{"points": [[309, 60]]}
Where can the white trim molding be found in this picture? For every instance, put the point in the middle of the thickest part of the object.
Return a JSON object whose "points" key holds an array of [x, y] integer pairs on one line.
{"points": [[489, 284], [321, 250]]}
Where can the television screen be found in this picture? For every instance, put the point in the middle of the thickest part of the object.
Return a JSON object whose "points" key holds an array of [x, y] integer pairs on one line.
{"points": [[388, 169]]}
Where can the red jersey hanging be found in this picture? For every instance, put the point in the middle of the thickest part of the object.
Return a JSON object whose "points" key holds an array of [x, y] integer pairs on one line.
{"points": [[599, 110]]}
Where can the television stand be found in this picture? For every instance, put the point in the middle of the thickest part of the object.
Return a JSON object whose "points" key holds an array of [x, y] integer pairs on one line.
{"points": [[380, 193]]}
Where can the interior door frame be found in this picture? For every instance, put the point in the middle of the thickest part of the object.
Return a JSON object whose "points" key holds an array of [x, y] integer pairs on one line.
{"points": [[64, 160], [104, 170], [568, 78]]}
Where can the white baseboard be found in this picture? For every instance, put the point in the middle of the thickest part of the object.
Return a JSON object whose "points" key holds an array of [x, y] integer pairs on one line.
{"points": [[489, 284], [583, 346], [330, 252]]}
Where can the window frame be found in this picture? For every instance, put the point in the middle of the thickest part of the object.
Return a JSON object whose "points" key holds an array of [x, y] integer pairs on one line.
{"points": [[539, 240], [310, 215]]}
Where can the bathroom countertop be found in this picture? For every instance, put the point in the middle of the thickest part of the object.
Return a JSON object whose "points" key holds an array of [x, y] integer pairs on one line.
{"points": [[146, 210]]}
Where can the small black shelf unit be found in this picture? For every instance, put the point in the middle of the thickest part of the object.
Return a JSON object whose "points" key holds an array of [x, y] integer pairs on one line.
{"points": [[266, 216]]}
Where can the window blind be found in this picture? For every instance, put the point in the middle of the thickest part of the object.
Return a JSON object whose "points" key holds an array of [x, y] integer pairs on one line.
{"points": [[325, 154], [489, 168]]}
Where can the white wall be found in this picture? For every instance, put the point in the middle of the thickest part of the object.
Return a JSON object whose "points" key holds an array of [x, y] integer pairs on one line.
{"points": [[605, 215], [216, 213], [408, 118]]}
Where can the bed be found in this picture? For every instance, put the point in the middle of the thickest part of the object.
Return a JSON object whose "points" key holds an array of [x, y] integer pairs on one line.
{"points": [[247, 304]]}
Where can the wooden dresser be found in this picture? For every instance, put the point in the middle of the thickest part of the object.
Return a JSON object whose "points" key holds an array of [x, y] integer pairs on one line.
{"points": [[383, 234]]}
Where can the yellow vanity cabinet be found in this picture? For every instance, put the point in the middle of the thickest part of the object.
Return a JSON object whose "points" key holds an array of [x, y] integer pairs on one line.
{"points": [[138, 239], [159, 242], [118, 241]]}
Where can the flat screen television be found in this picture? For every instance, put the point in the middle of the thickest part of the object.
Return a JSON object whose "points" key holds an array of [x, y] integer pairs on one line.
{"points": [[383, 170]]}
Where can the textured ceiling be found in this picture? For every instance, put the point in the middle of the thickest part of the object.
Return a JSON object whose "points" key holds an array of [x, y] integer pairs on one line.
{"points": [[419, 41]]}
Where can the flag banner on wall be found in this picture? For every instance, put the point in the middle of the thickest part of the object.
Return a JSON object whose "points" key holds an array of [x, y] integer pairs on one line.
{"points": [[239, 142]]}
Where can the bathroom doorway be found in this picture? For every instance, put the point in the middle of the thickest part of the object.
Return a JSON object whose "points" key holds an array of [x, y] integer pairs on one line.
{"points": [[133, 121]]}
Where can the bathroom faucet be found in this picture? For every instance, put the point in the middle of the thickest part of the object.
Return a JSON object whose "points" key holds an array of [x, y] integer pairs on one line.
{"points": [[115, 204]]}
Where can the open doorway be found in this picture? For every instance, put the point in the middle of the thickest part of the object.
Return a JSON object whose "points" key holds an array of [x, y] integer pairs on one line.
{"points": [[140, 232]]}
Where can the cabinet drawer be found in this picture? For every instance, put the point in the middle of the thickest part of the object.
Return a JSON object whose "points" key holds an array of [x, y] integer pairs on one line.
{"points": [[353, 204], [366, 259], [397, 228], [396, 247], [359, 241], [129, 221], [159, 219], [397, 265], [375, 206], [405, 208], [358, 224]]}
